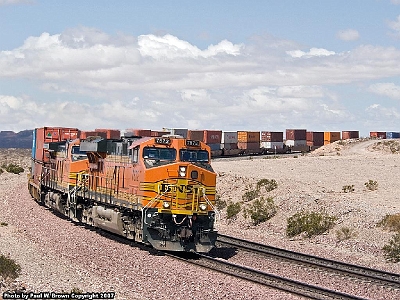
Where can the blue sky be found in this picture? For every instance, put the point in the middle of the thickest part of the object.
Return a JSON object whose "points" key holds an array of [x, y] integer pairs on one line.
{"points": [[229, 65]]}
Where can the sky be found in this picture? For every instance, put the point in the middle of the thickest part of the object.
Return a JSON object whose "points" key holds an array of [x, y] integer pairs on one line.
{"points": [[226, 65]]}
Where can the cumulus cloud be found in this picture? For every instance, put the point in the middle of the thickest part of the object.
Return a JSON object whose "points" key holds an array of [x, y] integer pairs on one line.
{"points": [[386, 89], [13, 2], [395, 26], [312, 53], [348, 35], [88, 77]]}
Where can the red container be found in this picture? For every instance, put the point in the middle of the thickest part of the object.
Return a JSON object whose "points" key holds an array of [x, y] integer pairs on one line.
{"points": [[86, 134], [137, 132], [346, 135], [47, 135], [110, 133], [378, 134], [249, 146], [159, 133], [271, 136], [296, 134], [196, 135], [315, 138], [212, 136], [249, 137]]}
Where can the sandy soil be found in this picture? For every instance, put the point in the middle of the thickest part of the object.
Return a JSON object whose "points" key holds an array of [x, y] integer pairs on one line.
{"points": [[311, 182]]}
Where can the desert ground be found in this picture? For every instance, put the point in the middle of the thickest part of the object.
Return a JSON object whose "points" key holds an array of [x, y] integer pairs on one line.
{"points": [[57, 255]]}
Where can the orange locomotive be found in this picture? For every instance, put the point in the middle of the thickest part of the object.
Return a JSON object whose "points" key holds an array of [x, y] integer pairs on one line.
{"points": [[154, 190]]}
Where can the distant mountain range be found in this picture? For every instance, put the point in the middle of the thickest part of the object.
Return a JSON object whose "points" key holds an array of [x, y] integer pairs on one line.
{"points": [[11, 139]]}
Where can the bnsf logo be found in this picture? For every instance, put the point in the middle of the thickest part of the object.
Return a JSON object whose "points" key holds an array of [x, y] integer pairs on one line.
{"points": [[182, 188]]}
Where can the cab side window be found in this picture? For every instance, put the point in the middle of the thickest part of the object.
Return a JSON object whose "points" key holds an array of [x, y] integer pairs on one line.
{"points": [[135, 154]]}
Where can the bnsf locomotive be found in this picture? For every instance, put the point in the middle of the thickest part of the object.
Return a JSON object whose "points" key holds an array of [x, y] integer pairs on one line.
{"points": [[153, 190]]}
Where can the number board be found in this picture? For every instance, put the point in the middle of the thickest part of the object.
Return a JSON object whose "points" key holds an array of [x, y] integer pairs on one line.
{"points": [[163, 141], [192, 143]]}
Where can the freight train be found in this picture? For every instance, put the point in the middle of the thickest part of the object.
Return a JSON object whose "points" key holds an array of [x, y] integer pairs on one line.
{"points": [[158, 191]]}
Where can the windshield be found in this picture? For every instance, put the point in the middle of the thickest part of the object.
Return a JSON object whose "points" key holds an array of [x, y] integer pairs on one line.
{"points": [[193, 155], [77, 154], [158, 156]]}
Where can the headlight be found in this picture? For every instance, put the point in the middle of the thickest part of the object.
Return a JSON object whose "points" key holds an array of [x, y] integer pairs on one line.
{"points": [[203, 206], [182, 171], [166, 204]]}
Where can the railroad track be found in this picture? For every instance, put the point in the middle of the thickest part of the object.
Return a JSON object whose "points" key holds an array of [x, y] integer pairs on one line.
{"points": [[364, 273], [266, 279]]}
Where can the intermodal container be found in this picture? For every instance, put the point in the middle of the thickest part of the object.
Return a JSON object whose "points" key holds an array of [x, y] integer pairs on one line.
{"points": [[229, 137], [249, 145], [392, 135], [159, 133], [296, 143], [215, 147], [113, 134], [315, 138], [86, 134], [196, 135], [183, 132], [272, 145], [45, 135], [331, 136], [229, 146], [137, 132], [378, 134], [346, 135], [296, 134], [271, 136], [249, 137], [212, 136]]}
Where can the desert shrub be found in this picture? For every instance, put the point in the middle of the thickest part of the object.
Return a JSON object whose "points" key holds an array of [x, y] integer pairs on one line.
{"points": [[232, 210], [345, 233], [250, 194], [1, 170], [391, 222], [371, 185], [3, 224], [219, 203], [311, 223], [348, 188], [268, 184], [76, 291], [9, 268], [13, 168], [261, 210], [392, 249]]}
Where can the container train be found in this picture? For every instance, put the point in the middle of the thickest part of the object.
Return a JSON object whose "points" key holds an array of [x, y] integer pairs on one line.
{"points": [[158, 191]]}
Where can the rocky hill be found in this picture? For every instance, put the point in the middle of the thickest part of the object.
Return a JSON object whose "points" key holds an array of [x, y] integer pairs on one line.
{"points": [[11, 139]]}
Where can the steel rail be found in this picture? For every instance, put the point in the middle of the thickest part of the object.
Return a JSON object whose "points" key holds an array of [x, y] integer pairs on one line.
{"points": [[361, 272], [266, 279]]}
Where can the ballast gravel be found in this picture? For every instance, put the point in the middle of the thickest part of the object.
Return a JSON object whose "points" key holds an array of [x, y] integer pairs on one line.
{"points": [[59, 256]]}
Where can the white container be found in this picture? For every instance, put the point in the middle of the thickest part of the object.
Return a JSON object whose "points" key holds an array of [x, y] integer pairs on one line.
{"points": [[295, 143], [272, 145], [229, 137]]}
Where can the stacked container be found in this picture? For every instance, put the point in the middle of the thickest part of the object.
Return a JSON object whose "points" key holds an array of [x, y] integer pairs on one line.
{"points": [[213, 139], [195, 135], [249, 140], [392, 135], [272, 140], [330, 137], [296, 137], [85, 134], [183, 132], [378, 134], [346, 135], [137, 132], [315, 139], [113, 134]]}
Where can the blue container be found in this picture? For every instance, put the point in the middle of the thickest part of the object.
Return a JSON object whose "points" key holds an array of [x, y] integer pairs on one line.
{"points": [[392, 135]]}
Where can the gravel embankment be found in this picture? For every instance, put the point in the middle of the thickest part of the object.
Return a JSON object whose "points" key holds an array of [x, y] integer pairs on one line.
{"points": [[57, 255]]}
